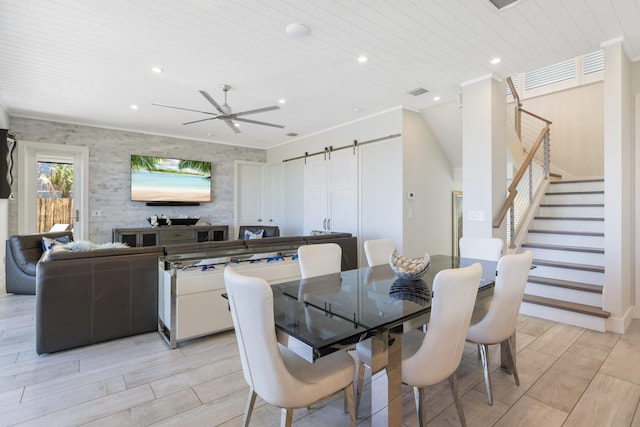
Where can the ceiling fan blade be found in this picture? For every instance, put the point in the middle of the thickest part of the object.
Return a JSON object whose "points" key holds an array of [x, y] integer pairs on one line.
{"points": [[186, 109], [258, 123], [201, 120], [258, 110], [212, 101], [231, 125]]}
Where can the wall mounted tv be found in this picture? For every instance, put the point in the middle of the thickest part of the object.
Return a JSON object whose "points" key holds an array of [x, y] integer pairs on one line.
{"points": [[162, 181]]}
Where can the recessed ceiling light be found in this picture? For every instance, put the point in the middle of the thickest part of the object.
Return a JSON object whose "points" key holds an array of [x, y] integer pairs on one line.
{"points": [[436, 98], [362, 59], [495, 61], [134, 107], [237, 125], [282, 101], [297, 30], [157, 70]]}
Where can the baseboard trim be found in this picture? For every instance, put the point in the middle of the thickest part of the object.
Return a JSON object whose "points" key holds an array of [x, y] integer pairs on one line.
{"points": [[619, 324]]}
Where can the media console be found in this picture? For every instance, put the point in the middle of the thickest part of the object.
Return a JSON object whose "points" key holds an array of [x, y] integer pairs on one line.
{"points": [[147, 236]]}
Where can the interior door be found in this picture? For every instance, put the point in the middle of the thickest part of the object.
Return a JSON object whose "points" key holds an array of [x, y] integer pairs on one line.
{"points": [[35, 182], [250, 189], [315, 195], [343, 190]]}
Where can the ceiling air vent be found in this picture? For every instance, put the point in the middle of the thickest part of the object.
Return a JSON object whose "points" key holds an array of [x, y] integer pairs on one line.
{"points": [[292, 134], [417, 91], [502, 3]]}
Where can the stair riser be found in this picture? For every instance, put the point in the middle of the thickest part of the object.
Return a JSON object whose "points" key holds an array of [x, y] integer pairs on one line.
{"points": [[569, 225], [572, 211], [573, 198], [580, 276], [577, 186], [567, 256], [566, 240], [569, 317], [564, 294]]}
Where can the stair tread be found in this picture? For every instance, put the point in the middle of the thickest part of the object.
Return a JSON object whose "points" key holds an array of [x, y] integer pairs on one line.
{"points": [[564, 248], [566, 193], [596, 289], [571, 233], [579, 181], [569, 218], [565, 305], [572, 205], [585, 267]]}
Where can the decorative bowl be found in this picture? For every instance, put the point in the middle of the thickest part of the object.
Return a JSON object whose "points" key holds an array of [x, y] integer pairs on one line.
{"points": [[185, 221], [409, 268]]}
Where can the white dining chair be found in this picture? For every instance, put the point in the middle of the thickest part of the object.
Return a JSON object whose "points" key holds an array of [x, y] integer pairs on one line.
{"points": [[499, 324], [320, 259], [486, 248], [378, 251], [431, 357], [272, 371]]}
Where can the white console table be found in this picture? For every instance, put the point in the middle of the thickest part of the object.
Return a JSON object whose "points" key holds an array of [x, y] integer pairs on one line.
{"points": [[190, 287]]}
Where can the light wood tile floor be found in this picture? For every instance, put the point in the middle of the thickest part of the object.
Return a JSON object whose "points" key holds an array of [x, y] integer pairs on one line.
{"points": [[568, 377]]}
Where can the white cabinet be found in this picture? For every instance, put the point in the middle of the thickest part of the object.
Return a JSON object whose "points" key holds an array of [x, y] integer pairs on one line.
{"points": [[259, 193], [331, 192]]}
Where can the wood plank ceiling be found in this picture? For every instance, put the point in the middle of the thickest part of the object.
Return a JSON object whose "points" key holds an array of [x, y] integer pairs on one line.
{"points": [[87, 61]]}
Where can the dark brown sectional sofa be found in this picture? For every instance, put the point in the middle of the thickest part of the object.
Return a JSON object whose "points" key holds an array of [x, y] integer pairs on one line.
{"points": [[86, 297]]}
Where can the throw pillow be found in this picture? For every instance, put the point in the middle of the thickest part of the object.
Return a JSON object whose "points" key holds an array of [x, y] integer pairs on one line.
{"points": [[48, 242], [110, 245], [256, 234], [85, 245], [79, 245]]}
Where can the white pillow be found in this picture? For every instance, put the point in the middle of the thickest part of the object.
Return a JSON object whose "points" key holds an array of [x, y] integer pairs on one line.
{"points": [[256, 234], [85, 245]]}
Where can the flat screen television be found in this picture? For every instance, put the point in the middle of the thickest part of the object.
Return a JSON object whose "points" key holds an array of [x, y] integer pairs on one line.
{"points": [[161, 180]]}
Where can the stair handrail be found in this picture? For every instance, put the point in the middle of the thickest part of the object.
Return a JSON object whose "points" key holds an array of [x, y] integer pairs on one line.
{"points": [[517, 105], [527, 165]]}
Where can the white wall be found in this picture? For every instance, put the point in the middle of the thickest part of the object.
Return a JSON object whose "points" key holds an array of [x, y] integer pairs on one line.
{"points": [[577, 132], [618, 186], [427, 173]]}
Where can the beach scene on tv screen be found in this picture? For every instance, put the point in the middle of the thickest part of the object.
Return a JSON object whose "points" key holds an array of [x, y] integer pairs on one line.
{"points": [[167, 180]]}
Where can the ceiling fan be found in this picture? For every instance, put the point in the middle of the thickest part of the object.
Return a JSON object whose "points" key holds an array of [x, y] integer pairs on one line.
{"points": [[225, 113]]}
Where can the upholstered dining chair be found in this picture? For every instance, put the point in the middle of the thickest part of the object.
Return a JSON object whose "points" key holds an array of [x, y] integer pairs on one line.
{"points": [[499, 324], [486, 248], [272, 371], [431, 357], [319, 259], [378, 251]]}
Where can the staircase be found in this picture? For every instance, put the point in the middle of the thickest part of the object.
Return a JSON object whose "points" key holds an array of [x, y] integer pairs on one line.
{"points": [[567, 241]]}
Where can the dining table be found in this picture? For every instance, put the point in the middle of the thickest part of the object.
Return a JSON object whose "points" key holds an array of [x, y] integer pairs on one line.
{"points": [[319, 315]]}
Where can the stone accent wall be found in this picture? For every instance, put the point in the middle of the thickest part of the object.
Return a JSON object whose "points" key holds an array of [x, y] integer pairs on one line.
{"points": [[109, 172]]}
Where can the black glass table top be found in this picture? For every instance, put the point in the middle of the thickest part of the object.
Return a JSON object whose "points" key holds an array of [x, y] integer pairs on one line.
{"points": [[326, 312]]}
